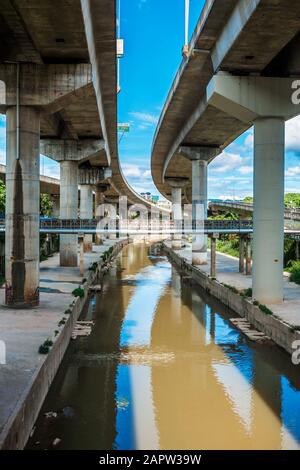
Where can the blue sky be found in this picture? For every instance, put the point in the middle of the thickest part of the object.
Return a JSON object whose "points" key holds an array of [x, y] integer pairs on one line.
{"points": [[153, 31]]}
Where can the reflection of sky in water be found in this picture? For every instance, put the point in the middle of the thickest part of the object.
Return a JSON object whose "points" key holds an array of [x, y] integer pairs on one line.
{"points": [[150, 285], [290, 408], [235, 372]]}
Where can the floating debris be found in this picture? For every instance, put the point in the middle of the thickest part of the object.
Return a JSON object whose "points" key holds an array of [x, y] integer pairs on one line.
{"points": [[245, 327], [50, 414], [82, 328], [122, 403], [97, 288], [56, 442]]}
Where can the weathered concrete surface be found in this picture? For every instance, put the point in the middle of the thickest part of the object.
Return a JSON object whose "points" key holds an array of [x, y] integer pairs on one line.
{"points": [[286, 316], [27, 376], [227, 38]]}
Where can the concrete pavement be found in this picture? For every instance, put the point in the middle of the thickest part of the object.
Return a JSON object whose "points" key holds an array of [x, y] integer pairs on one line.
{"points": [[23, 331]]}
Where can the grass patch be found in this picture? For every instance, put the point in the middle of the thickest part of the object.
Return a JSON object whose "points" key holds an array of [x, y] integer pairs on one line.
{"points": [[294, 270], [45, 347], [79, 292], [228, 247], [93, 267], [233, 289]]}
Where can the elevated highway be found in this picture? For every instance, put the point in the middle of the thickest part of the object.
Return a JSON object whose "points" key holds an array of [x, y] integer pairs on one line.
{"points": [[244, 209], [241, 70], [58, 89], [48, 185]]}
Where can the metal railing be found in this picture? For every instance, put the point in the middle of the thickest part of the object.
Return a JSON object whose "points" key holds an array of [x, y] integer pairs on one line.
{"points": [[90, 226]]}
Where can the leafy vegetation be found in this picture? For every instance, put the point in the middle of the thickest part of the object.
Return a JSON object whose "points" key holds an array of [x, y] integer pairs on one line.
{"points": [[291, 200], [79, 292], [2, 196], [45, 347], [294, 269]]}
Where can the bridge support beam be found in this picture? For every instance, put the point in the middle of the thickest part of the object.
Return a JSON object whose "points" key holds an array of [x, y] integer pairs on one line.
{"points": [[213, 255], [22, 208], [242, 255], [68, 210], [177, 184], [86, 212], [100, 191], [200, 156], [266, 102], [56, 206], [248, 256], [268, 226]]}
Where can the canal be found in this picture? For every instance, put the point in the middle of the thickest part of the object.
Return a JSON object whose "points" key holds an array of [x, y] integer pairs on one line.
{"points": [[165, 369]]}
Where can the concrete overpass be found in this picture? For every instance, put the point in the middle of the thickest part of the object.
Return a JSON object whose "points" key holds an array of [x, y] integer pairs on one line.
{"points": [[58, 89], [240, 71], [48, 185], [244, 210]]}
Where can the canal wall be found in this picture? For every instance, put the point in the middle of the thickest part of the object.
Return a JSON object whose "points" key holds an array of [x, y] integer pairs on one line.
{"points": [[280, 332], [17, 429]]}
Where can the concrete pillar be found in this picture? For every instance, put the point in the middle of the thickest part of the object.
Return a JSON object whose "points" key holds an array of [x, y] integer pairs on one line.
{"points": [[199, 199], [22, 208], [248, 256], [113, 236], [177, 218], [268, 237], [56, 206], [81, 256], [242, 255], [68, 210], [86, 212], [213, 256]]}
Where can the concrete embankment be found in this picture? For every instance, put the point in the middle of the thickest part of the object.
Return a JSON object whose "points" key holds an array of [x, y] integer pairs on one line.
{"points": [[277, 324], [26, 377]]}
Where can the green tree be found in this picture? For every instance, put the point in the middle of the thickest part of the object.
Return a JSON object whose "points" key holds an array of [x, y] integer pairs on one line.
{"points": [[292, 200], [46, 205], [248, 200]]}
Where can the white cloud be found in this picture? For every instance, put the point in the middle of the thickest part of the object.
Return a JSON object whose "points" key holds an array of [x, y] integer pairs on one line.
{"points": [[293, 171], [246, 170], [292, 133], [131, 171], [2, 157], [249, 140], [145, 119], [226, 162]]}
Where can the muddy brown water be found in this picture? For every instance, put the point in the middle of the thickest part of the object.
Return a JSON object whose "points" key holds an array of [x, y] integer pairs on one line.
{"points": [[165, 369]]}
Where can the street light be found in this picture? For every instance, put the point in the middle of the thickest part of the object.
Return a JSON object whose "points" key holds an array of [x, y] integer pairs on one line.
{"points": [[185, 49]]}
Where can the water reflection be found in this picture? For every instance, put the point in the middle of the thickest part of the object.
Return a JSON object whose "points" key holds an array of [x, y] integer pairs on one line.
{"points": [[164, 368]]}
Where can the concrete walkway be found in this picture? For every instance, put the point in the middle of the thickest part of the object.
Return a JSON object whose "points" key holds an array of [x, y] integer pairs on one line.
{"points": [[228, 273], [23, 331]]}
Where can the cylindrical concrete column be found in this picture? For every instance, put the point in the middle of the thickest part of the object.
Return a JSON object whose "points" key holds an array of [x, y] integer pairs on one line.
{"points": [[68, 210], [242, 255], [177, 218], [56, 207], [268, 237], [248, 256], [199, 197], [99, 200], [22, 208], [213, 258], [86, 212], [112, 226]]}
